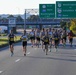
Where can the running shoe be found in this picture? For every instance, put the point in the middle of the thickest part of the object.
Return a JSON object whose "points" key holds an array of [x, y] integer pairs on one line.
{"points": [[24, 54], [12, 54], [44, 50]]}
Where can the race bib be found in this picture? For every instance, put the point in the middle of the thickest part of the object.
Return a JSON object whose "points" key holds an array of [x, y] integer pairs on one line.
{"points": [[56, 38], [11, 39], [46, 40], [50, 36], [42, 37], [24, 39]]}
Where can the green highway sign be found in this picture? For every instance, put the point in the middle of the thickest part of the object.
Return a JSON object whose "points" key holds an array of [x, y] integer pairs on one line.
{"points": [[47, 10], [65, 9]]}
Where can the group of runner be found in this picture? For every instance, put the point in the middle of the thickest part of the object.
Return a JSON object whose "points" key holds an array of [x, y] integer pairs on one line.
{"points": [[49, 37]]}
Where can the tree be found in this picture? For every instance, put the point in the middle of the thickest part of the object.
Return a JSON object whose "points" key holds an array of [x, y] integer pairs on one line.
{"points": [[10, 16], [73, 26], [4, 19], [74, 20], [19, 18], [63, 24], [68, 24], [33, 18], [0, 18]]}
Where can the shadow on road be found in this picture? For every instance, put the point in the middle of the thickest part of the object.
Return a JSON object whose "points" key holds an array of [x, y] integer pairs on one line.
{"points": [[54, 58]]}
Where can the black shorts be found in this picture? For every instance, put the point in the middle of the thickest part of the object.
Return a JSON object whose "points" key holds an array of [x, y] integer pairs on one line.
{"points": [[64, 38], [37, 38], [11, 42], [50, 39], [45, 43], [24, 43], [56, 41], [32, 38], [42, 40], [71, 39]]}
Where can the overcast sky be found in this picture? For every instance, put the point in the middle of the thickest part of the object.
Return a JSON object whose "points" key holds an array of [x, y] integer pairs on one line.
{"points": [[18, 6]]}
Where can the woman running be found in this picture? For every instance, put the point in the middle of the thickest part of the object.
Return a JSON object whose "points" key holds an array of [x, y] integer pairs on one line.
{"points": [[42, 36], [24, 39], [32, 37], [37, 37]]}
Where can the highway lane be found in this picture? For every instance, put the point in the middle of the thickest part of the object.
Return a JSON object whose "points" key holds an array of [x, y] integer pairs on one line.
{"points": [[62, 62]]}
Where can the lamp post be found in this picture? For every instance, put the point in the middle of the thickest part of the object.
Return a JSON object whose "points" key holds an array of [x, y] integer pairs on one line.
{"points": [[25, 19], [30, 11]]}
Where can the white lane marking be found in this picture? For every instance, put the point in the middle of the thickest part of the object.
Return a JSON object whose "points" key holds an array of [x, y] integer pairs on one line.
{"points": [[17, 60], [28, 53], [1, 71]]}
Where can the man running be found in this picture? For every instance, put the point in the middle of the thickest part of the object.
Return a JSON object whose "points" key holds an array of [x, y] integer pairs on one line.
{"points": [[42, 36], [46, 42], [64, 37], [11, 41], [56, 39], [50, 37]]}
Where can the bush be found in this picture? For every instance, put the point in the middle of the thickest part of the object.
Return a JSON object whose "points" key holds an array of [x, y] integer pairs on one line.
{"points": [[4, 41], [73, 28]]}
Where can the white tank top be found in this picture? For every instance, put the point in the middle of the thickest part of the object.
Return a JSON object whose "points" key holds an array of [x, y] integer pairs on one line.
{"points": [[50, 34], [24, 37], [37, 34], [32, 33]]}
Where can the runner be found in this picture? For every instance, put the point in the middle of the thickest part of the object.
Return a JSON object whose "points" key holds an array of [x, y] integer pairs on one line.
{"points": [[32, 37], [46, 42], [56, 37], [53, 42], [70, 37], [11, 41], [59, 36], [63, 35], [42, 36], [24, 39], [37, 37], [50, 38]]}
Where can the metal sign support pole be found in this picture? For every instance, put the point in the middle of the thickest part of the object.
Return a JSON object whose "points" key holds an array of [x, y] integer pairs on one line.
{"points": [[25, 19]]}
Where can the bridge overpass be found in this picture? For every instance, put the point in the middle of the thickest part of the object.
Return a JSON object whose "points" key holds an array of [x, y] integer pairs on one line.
{"points": [[38, 22], [33, 23]]}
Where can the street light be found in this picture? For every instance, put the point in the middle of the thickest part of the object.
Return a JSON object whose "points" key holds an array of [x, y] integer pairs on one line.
{"points": [[25, 19], [30, 11]]}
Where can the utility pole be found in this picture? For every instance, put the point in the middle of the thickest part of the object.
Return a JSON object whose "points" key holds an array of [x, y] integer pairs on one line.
{"points": [[25, 19]]}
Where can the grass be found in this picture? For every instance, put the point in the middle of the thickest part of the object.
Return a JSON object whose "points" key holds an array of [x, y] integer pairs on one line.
{"points": [[4, 40], [3, 34], [17, 38]]}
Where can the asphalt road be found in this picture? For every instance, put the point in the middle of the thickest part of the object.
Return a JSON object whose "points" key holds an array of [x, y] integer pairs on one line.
{"points": [[36, 62]]}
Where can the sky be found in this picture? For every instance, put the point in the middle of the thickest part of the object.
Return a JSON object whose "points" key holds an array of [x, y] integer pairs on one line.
{"points": [[19, 6]]}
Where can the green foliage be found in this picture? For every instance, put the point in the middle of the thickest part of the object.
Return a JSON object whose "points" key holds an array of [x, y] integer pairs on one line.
{"points": [[73, 28], [33, 18], [10, 16], [19, 18], [63, 24], [4, 40]]}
